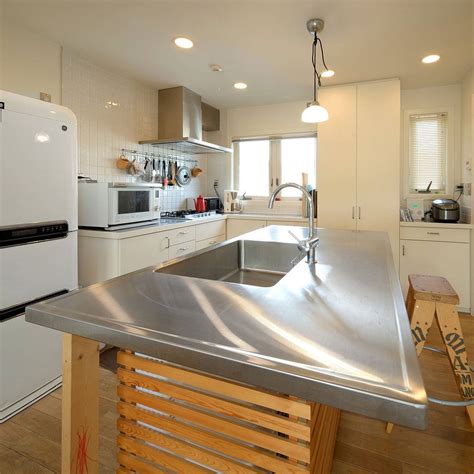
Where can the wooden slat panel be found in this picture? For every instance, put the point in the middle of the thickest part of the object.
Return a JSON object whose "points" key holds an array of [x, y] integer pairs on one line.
{"points": [[180, 448], [132, 463], [206, 439], [281, 403], [268, 441], [165, 460], [274, 422]]}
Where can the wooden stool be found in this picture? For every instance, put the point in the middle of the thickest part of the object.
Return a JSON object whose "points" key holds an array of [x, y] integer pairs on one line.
{"points": [[430, 296]]}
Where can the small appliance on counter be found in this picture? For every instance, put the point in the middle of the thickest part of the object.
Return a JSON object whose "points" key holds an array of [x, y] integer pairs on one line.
{"points": [[445, 210], [232, 203], [113, 206], [211, 204]]}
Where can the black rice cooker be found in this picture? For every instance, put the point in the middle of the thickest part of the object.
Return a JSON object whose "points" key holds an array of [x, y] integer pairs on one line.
{"points": [[445, 210]]}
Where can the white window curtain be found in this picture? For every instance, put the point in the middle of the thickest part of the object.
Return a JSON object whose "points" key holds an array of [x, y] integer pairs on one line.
{"points": [[427, 149]]}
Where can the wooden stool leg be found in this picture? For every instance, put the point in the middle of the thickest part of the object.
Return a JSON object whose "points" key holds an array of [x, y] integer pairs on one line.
{"points": [[80, 406], [421, 319], [410, 302], [450, 328]]}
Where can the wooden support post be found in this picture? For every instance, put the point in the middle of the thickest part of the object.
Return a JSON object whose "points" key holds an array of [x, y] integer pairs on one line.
{"points": [[80, 406]]}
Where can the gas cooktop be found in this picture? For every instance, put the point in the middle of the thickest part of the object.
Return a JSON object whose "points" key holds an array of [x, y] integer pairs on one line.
{"points": [[187, 215]]}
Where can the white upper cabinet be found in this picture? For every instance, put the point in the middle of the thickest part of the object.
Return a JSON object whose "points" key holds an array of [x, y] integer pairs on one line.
{"points": [[358, 160]]}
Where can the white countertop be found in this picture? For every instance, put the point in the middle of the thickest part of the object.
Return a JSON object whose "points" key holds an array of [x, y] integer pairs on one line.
{"points": [[439, 225], [164, 226]]}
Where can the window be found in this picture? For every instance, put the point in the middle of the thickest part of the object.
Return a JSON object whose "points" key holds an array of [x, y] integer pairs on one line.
{"points": [[263, 164], [427, 151]]}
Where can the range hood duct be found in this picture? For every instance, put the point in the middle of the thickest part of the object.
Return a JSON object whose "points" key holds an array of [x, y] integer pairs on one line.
{"points": [[182, 117]]}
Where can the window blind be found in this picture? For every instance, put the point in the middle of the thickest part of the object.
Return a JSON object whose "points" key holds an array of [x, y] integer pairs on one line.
{"points": [[428, 151]]}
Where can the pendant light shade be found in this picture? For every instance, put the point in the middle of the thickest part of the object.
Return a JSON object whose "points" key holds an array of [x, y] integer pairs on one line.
{"points": [[314, 113]]}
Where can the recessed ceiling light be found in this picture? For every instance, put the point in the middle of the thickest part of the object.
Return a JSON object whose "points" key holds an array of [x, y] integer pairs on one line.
{"points": [[432, 58], [240, 85], [328, 73], [182, 42]]}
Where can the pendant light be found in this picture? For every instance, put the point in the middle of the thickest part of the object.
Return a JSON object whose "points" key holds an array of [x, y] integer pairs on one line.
{"points": [[314, 112]]}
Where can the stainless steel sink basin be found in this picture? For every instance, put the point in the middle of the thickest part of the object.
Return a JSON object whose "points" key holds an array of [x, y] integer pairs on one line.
{"points": [[247, 262]]}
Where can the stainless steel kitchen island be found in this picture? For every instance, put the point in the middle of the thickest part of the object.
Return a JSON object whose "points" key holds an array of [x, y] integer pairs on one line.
{"points": [[335, 334]]}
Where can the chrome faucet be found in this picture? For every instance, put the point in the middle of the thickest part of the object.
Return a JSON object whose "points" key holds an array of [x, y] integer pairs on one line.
{"points": [[308, 246]]}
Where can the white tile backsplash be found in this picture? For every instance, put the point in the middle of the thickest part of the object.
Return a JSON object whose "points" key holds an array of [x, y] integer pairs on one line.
{"points": [[115, 112]]}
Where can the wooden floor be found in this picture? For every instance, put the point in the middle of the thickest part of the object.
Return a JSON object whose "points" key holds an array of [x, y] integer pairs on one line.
{"points": [[30, 441]]}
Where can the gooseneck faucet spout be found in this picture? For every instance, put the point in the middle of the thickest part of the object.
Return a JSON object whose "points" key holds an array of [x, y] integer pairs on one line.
{"points": [[308, 245]]}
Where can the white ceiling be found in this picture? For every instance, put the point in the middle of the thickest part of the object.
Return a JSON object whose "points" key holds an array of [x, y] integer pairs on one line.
{"points": [[263, 42]]}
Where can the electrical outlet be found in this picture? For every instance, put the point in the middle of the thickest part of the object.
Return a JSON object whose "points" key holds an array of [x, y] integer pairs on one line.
{"points": [[44, 96]]}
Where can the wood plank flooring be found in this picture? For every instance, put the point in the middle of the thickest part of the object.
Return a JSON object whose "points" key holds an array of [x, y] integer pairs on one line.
{"points": [[30, 441]]}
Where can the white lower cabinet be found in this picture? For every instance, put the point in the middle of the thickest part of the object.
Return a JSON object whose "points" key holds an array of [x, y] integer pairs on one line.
{"points": [[236, 227], [103, 256], [202, 244], [292, 223], [431, 256], [143, 251], [182, 249]]}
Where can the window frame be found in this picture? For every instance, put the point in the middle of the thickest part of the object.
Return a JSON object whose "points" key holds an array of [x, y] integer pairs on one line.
{"points": [[274, 161], [450, 151]]}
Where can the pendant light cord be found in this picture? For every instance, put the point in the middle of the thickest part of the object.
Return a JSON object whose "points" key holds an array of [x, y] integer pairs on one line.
{"points": [[316, 75]]}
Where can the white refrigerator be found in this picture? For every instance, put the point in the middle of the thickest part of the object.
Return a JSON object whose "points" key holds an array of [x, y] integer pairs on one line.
{"points": [[38, 241]]}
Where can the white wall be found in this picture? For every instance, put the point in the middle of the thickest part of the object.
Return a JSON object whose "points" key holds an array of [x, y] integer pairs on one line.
{"points": [[31, 63], [467, 139], [432, 97], [275, 119]]}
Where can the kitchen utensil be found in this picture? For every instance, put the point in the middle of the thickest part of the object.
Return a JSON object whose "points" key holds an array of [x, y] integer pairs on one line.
{"points": [[148, 171], [183, 177], [200, 204], [196, 171], [122, 163], [445, 210]]}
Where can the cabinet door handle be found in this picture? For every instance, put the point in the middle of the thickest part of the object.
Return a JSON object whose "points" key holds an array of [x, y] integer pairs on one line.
{"points": [[169, 241], [403, 250], [183, 233], [213, 242], [277, 181], [353, 212], [359, 212], [433, 233], [182, 249]]}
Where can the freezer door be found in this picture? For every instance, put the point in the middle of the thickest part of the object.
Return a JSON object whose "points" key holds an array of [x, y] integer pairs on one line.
{"points": [[38, 179], [30, 364], [28, 272]]}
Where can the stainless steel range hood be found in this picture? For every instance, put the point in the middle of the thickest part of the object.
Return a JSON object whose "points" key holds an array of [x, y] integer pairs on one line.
{"points": [[181, 119]]}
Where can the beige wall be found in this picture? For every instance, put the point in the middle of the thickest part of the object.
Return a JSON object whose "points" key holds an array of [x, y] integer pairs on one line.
{"points": [[1, 43], [267, 120], [30, 63]]}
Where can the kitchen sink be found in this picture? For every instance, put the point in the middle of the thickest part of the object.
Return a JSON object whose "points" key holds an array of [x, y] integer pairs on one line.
{"points": [[246, 262]]}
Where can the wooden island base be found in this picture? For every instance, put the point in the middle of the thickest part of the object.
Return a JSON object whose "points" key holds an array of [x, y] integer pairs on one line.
{"points": [[174, 419]]}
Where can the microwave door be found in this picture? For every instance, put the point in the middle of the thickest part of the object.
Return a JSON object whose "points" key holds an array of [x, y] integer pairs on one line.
{"points": [[129, 205]]}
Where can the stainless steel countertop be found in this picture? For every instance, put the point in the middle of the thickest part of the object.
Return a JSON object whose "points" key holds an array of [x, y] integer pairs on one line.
{"points": [[337, 333]]}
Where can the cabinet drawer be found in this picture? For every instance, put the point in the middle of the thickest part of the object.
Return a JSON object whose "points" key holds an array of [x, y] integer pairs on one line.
{"points": [[184, 234], [202, 244], [434, 233], [182, 249], [210, 229]]}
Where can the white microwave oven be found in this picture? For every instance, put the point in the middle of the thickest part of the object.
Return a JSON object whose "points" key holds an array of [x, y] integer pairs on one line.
{"points": [[114, 205]]}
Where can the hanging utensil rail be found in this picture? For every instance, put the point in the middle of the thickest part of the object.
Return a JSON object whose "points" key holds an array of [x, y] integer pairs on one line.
{"points": [[150, 155]]}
